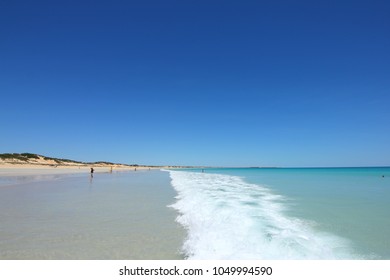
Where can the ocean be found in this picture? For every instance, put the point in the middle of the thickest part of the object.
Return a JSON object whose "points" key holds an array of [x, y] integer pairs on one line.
{"points": [[284, 213], [229, 213]]}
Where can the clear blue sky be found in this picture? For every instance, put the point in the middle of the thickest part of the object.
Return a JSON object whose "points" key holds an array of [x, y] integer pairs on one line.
{"points": [[234, 83]]}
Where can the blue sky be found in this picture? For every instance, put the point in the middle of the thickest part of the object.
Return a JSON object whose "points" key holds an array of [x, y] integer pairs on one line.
{"points": [[232, 83]]}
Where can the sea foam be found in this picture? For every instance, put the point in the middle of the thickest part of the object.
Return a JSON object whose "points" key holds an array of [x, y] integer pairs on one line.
{"points": [[227, 218]]}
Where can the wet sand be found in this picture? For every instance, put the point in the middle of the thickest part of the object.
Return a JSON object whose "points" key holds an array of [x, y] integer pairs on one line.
{"points": [[119, 215]]}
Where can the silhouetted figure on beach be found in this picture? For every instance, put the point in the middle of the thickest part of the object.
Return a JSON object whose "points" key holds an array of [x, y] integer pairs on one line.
{"points": [[92, 172]]}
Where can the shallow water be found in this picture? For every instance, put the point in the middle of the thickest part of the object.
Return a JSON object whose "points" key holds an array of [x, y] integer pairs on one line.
{"points": [[112, 216]]}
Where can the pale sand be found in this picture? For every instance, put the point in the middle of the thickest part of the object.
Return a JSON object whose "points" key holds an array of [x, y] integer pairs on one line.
{"points": [[7, 169], [59, 213]]}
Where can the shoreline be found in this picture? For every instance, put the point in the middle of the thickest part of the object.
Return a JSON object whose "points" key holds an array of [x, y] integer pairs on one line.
{"points": [[10, 169], [123, 215]]}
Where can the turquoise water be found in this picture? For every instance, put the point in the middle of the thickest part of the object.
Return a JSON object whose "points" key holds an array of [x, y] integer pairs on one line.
{"points": [[285, 213]]}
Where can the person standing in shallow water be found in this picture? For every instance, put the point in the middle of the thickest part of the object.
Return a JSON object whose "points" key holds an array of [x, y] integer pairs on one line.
{"points": [[92, 170]]}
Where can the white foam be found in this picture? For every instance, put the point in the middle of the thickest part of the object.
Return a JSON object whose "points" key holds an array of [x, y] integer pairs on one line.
{"points": [[227, 218]]}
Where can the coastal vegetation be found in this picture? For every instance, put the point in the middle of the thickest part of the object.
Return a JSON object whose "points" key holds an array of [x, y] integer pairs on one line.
{"points": [[30, 158], [36, 159], [16, 156]]}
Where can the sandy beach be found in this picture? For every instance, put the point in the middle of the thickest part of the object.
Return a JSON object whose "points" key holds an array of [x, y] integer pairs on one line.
{"points": [[33, 164], [7, 169], [63, 213]]}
